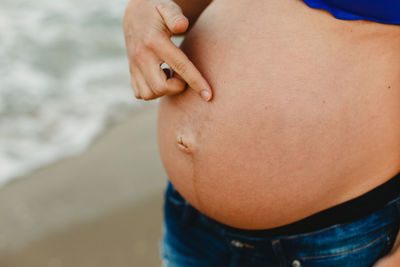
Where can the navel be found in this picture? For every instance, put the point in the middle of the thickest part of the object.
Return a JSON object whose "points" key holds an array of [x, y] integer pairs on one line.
{"points": [[185, 142]]}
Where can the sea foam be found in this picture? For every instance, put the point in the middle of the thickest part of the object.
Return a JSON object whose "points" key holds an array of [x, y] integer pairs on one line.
{"points": [[64, 77]]}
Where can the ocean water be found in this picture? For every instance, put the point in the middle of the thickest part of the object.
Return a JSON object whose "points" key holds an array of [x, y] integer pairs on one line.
{"points": [[64, 78]]}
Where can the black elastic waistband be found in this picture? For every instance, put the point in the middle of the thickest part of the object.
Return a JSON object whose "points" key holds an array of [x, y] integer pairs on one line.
{"points": [[345, 212]]}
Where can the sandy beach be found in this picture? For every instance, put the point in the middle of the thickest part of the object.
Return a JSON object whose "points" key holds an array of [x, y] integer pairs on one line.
{"points": [[100, 208]]}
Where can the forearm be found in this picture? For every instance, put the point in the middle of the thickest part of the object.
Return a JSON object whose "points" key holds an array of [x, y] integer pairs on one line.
{"points": [[192, 8]]}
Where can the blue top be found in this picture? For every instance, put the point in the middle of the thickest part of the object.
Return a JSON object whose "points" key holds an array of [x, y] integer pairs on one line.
{"points": [[383, 11]]}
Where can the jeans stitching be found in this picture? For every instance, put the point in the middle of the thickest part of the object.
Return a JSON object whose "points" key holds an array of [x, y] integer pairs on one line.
{"points": [[347, 251], [314, 232]]}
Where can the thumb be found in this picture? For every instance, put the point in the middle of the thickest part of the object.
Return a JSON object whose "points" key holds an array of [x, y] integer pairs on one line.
{"points": [[173, 17]]}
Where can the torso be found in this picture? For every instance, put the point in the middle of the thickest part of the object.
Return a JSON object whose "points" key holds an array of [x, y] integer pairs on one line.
{"points": [[305, 113]]}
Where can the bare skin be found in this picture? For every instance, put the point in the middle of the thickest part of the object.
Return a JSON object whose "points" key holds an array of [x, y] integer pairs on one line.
{"points": [[305, 112], [148, 26]]}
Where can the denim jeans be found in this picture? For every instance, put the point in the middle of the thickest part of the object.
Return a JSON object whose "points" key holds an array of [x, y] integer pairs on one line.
{"points": [[190, 238]]}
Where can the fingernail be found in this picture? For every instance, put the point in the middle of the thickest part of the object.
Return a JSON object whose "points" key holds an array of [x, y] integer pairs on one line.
{"points": [[177, 19], [205, 95]]}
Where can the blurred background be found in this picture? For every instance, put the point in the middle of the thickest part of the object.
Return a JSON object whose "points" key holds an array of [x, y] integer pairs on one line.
{"points": [[81, 181]]}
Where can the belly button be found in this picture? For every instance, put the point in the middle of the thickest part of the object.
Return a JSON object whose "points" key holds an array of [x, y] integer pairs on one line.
{"points": [[183, 144]]}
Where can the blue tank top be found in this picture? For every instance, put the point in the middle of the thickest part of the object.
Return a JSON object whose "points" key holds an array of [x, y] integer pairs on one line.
{"points": [[383, 11]]}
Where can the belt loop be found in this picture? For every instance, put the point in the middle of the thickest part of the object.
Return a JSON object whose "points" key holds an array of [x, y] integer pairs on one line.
{"points": [[277, 248]]}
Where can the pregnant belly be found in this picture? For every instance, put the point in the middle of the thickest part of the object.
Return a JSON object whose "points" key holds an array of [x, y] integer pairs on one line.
{"points": [[305, 113]]}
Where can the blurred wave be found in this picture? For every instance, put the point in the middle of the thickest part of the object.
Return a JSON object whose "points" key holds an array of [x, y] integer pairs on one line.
{"points": [[63, 78]]}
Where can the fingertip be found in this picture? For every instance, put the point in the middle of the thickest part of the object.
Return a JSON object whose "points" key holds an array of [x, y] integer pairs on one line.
{"points": [[206, 95], [208, 92], [211, 97], [180, 25]]}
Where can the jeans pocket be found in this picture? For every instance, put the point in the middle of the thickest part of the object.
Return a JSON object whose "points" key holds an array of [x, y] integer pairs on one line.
{"points": [[361, 251]]}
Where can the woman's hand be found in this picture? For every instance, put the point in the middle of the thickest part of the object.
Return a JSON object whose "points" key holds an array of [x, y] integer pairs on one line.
{"points": [[148, 26]]}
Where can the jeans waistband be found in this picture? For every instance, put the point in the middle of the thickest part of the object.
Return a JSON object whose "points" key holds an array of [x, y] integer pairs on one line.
{"points": [[351, 210]]}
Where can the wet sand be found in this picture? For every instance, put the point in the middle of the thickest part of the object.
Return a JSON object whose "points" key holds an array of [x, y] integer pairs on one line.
{"points": [[100, 208], [127, 237]]}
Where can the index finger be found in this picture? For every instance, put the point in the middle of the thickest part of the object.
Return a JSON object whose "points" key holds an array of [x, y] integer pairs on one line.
{"points": [[181, 64]]}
